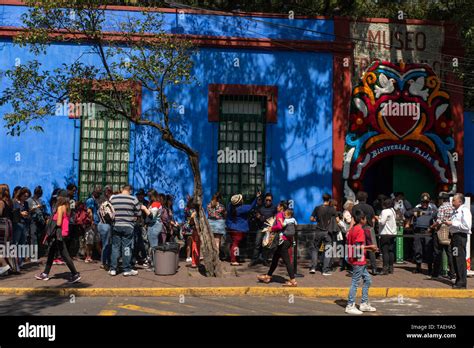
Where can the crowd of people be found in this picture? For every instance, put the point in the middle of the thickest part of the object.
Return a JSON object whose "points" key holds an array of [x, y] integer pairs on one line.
{"points": [[121, 230]]}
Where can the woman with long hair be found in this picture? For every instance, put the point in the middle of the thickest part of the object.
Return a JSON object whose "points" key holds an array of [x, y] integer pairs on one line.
{"points": [[37, 209], [61, 215], [237, 223], [21, 218], [284, 222], [193, 242], [173, 225], [155, 227], [6, 229], [216, 216]]}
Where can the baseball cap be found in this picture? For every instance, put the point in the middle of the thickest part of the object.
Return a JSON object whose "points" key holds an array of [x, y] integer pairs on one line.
{"points": [[443, 195], [425, 197]]}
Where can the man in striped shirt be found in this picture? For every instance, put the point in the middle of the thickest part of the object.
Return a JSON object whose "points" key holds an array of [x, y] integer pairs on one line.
{"points": [[445, 212], [127, 209]]}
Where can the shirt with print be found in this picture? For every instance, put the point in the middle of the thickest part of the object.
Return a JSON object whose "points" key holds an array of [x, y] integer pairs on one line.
{"points": [[156, 209], [217, 212], [356, 239], [445, 212]]}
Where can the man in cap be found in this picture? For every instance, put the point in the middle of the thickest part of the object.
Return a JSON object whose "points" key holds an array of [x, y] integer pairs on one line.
{"points": [[424, 215], [445, 212]]}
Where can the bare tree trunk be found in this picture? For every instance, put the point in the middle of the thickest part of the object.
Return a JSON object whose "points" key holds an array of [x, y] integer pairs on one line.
{"points": [[209, 250], [211, 262]]}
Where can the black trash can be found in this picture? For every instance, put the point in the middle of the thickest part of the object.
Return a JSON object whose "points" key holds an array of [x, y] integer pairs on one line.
{"points": [[166, 258]]}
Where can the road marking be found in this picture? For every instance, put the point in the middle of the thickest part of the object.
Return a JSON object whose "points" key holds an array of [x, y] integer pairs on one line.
{"points": [[136, 308], [283, 314], [107, 312], [215, 301], [169, 303]]}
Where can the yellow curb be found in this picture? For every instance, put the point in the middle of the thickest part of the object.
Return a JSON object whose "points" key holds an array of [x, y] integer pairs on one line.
{"points": [[234, 291]]}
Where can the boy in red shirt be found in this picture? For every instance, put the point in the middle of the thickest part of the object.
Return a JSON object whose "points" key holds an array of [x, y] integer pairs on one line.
{"points": [[357, 246]]}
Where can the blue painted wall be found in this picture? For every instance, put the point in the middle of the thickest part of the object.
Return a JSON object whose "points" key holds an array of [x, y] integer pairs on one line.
{"points": [[220, 25], [298, 148], [469, 152]]}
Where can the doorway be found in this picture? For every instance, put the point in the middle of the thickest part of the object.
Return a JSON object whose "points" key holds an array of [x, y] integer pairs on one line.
{"points": [[399, 173]]}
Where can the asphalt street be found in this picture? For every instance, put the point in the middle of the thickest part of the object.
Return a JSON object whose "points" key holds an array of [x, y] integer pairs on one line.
{"points": [[224, 306]]}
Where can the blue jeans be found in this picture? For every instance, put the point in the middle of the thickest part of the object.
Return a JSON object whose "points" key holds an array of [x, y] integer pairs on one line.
{"points": [[358, 273], [122, 242], [154, 233], [104, 232], [19, 234], [19, 237]]}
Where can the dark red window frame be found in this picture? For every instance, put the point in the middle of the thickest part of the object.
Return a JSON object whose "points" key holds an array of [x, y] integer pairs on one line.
{"points": [[216, 90], [121, 86]]}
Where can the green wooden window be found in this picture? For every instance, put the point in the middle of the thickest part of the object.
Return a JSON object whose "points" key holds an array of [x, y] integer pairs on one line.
{"points": [[241, 127], [104, 153]]}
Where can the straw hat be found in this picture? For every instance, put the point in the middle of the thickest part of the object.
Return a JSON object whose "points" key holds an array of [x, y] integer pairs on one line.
{"points": [[236, 199]]}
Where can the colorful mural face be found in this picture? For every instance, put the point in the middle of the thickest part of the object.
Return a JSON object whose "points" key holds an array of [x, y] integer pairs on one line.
{"points": [[399, 110]]}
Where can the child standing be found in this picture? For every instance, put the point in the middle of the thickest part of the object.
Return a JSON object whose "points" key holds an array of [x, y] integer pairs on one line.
{"points": [[357, 246]]}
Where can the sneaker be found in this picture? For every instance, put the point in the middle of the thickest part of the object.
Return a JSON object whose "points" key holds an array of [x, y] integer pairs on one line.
{"points": [[146, 265], [130, 273], [312, 271], [88, 260], [113, 272], [58, 262], [352, 309], [74, 278], [189, 259], [366, 307], [327, 274], [4, 270], [433, 277], [42, 276]]}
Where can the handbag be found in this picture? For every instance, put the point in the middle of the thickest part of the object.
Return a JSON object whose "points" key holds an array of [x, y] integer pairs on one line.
{"points": [[269, 236], [443, 235]]}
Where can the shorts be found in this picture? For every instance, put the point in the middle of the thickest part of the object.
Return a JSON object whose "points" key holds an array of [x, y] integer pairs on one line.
{"points": [[217, 226], [90, 236]]}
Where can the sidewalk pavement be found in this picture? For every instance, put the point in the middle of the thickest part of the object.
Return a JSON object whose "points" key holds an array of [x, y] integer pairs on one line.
{"points": [[237, 281]]}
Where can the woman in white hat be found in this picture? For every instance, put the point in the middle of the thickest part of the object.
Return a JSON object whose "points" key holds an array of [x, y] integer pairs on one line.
{"points": [[237, 223]]}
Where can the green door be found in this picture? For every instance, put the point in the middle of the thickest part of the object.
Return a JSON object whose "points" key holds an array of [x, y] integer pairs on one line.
{"points": [[413, 178]]}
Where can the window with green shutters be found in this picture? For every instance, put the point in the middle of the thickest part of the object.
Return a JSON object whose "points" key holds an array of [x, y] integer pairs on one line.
{"points": [[104, 156], [241, 127]]}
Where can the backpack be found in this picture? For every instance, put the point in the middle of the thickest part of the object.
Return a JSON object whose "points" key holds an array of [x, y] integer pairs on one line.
{"points": [[81, 217], [107, 212]]}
